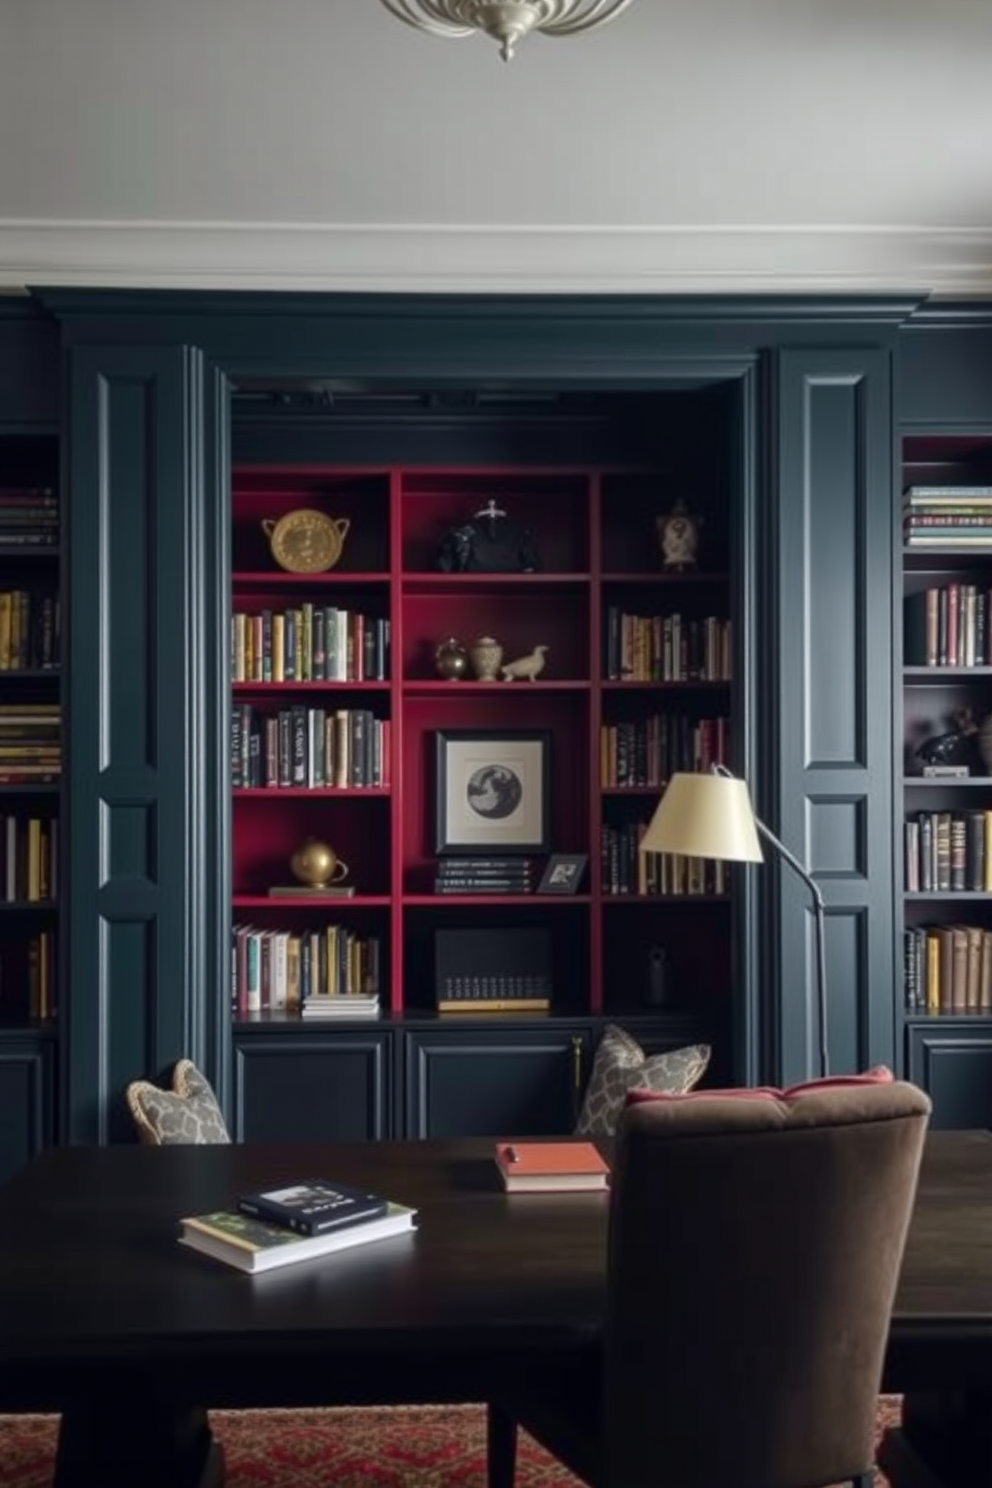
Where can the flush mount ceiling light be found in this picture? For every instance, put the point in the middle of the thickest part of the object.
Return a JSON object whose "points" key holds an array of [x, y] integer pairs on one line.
{"points": [[506, 21]]}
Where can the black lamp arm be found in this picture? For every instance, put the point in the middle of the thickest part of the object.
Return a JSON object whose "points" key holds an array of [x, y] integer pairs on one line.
{"points": [[818, 925]]}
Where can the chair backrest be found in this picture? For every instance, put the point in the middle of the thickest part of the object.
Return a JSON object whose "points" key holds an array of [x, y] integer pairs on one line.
{"points": [[755, 1248]]}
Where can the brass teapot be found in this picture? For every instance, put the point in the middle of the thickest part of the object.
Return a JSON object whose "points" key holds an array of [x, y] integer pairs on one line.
{"points": [[317, 865], [306, 540]]}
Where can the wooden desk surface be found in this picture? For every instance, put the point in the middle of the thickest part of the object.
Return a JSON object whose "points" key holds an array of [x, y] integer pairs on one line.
{"points": [[92, 1279]]}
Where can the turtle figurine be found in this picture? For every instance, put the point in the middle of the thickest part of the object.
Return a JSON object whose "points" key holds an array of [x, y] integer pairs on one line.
{"points": [[959, 746]]}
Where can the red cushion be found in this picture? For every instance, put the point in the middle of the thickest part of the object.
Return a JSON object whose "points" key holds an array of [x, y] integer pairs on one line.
{"points": [[879, 1075]]}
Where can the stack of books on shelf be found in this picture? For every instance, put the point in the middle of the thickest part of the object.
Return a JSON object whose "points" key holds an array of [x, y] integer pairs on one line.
{"points": [[313, 643], [29, 630], [666, 648], [646, 752], [949, 852], [493, 875], [30, 744], [948, 625], [316, 748], [323, 973], [297, 1222], [29, 864], [947, 516], [29, 517], [948, 969], [627, 870]]}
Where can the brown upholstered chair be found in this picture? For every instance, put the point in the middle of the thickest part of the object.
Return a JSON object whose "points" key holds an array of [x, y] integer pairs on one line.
{"points": [[754, 1251]]}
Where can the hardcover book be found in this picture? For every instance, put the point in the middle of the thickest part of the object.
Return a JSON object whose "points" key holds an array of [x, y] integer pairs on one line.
{"points": [[253, 1246], [313, 1206], [551, 1167]]}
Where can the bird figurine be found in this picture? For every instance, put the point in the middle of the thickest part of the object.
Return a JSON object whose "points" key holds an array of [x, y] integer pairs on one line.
{"points": [[530, 666]]}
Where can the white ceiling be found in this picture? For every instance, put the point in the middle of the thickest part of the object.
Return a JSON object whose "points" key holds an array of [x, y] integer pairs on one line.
{"points": [[696, 146]]}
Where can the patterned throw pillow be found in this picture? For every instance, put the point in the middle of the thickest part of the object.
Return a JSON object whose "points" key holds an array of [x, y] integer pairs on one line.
{"points": [[188, 1113], [621, 1064]]}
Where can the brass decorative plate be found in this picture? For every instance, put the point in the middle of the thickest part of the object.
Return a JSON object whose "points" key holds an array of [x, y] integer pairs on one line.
{"points": [[306, 541]]}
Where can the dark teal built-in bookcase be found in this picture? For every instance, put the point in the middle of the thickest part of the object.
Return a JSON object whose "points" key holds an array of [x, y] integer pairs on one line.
{"points": [[155, 397]]}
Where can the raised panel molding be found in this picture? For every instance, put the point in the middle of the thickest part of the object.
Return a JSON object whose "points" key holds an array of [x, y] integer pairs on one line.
{"points": [[320, 1087], [830, 723], [955, 1068], [137, 941], [25, 1103]]}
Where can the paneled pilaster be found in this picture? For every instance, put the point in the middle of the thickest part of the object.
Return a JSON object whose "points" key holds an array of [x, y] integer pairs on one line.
{"points": [[825, 787], [142, 722]]}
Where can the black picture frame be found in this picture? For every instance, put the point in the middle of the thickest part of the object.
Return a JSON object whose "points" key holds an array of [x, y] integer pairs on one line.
{"points": [[563, 873], [519, 791]]}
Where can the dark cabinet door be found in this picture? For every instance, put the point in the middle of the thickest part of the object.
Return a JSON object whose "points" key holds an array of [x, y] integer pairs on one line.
{"points": [[469, 1082], [26, 1097], [319, 1087], [954, 1067]]}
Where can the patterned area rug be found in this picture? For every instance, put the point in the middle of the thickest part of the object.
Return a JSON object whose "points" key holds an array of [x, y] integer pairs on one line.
{"points": [[401, 1447]]}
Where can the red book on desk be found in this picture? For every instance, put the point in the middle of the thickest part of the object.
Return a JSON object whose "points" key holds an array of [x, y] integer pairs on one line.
{"points": [[551, 1167]]}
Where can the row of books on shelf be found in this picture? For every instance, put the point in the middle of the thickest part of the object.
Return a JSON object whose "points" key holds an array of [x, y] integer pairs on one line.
{"points": [[326, 972], [947, 516], [627, 870], [313, 748], [30, 625], [949, 852], [948, 625], [314, 643], [646, 752], [29, 864], [30, 743], [28, 978], [666, 648], [948, 969], [29, 517]]}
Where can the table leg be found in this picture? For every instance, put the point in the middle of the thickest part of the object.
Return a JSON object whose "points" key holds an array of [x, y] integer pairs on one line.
{"points": [[121, 1442], [945, 1441]]}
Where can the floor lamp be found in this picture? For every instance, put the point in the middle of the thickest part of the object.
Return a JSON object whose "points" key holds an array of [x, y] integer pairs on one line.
{"points": [[711, 816]]}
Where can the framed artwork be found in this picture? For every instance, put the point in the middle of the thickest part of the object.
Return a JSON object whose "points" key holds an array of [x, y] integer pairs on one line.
{"points": [[563, 873], [493, 791]]}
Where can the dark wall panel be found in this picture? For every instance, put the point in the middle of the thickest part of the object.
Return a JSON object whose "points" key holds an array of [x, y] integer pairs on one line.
{"points": [[829, 745], [136, 722]]}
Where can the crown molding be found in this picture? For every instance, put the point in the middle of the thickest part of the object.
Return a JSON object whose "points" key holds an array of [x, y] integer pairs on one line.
{"points": [[949, 262]]}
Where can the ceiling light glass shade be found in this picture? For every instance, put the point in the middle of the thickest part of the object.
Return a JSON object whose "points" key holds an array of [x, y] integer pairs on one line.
{"points": [[506, 21]]}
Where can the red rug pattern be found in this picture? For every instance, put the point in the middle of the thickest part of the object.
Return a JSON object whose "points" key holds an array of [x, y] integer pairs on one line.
{"points": [[397, 1447]]}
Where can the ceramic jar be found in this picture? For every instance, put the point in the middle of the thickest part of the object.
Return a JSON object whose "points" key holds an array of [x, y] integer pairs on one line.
{"points": [[486, 656]]}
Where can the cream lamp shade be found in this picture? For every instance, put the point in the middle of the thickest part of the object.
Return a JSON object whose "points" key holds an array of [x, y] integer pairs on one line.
{"points": [[705, 816]]}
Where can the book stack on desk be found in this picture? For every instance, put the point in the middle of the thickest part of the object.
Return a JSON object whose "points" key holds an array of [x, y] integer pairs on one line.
{"points": [[298, 1222], [551, 1167]]}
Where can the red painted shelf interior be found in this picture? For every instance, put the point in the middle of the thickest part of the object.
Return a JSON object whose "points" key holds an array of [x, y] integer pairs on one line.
{"points": [[595, 532]]}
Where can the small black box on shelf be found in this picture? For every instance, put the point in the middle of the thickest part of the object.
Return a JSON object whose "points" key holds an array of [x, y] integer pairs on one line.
{"points": [[493, 969]]}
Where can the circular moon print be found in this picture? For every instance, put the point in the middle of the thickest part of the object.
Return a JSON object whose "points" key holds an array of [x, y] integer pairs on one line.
{"points": [[494, 792]]}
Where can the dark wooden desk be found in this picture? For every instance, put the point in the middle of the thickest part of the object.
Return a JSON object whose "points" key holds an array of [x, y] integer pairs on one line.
{"points": [[105, 1318]]}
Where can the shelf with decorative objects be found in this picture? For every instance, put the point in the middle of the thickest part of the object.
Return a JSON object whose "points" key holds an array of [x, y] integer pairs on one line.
{"points": [[516, 661]]}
